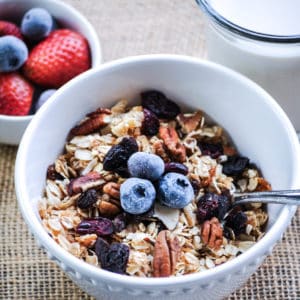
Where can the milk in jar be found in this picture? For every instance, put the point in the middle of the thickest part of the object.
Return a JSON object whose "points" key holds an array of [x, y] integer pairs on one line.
{"points": [[261, 39]]}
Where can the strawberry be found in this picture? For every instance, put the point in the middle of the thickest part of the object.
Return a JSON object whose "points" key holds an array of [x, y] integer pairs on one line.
{"points": [[8, 28], [15, 94], [63, 55]]}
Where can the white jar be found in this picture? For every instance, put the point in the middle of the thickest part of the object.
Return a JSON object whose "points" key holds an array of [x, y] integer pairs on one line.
{"points": [[265, 53]]}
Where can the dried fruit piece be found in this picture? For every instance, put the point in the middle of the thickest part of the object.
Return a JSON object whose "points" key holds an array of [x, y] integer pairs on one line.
{"points": [[173, 144], [160, 105], [100, 226], [176, 167], [87, 199], [112, 257], [263, 185], [212, 205], [150, 123], [237, 221], [166, 254], [189, 122], [214, 150], [119, 222], [212, 233], [116, 158], [52, 174], [83, 183], [235, 165]]}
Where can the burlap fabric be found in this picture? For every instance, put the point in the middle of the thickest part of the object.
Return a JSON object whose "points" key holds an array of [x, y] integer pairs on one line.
{"points": [[126, 27]]}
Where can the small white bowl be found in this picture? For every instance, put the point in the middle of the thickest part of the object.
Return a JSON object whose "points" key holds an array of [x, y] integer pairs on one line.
{"points": [[13, 127], [258, 126]]}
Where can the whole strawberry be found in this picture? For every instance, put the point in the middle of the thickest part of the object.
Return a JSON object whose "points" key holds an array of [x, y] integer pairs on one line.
{"points": [[15, 95], [63, 55], [8, 28]]}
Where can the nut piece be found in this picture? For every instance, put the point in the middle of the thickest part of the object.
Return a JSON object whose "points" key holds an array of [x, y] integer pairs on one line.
{"points": [[263, 185], [96, 120], [112, 189], [159, 149], [166, 254], [212, 233], [189, 122], [84, 183], [108, 209], [172, 142]]}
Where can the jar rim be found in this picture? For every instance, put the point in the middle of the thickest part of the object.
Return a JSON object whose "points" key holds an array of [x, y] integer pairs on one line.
{"points": [[225, 23]]}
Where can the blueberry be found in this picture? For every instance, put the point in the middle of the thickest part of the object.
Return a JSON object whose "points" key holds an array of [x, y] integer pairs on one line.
{"points": [[44, 96], [175, 190], [13, 53], [145, 165], [137, 195], [36, 24]]}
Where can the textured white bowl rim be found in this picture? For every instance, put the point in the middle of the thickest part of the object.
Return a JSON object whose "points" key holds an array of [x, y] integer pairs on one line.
{"points": [[96, 62], [260, 248]]}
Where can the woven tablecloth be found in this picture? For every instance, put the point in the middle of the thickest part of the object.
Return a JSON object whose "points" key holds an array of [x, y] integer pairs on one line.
{"points": [[125, 28]]}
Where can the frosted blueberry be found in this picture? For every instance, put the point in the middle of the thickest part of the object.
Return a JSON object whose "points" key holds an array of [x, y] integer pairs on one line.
{"points": [[37, 24], [13, 53], [137, 195], [43, 98], [146, 165], [175, 190]]}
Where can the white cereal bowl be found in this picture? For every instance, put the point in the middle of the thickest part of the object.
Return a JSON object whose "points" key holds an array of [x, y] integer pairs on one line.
{"points": [[13, 127], [256, 123]]}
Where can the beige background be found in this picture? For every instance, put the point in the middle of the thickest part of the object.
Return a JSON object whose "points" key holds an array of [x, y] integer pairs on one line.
{"points": [[126, 27]]}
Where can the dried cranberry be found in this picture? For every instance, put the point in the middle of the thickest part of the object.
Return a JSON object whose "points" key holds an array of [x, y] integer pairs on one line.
{"points": [[52, 174], [159, 104], [212, 205], [237, 221], [100, 226], [116, 158], [150, 123], [213, 150], [119, 222], [176, 167], [112, 257], [235, 165], [147, 216], [87, 199]]}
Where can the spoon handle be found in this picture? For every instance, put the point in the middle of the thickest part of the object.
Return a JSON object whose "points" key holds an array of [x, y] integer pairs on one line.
{"points": [[291, 197]]}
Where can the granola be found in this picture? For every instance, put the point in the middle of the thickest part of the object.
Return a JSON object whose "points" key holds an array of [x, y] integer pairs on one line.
{"points": [[81, 208]]}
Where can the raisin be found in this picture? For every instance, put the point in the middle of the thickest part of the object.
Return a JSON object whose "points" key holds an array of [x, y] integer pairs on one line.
{"points": [[196, 185], [52, 174], [150, 123], [112, 257], [212, 205], [235, 165], [237, 221], [116, 158], [160, 105], [176, 167], [87, 199], [210, 149], [100, 226], [119, 222], [145, 217]]}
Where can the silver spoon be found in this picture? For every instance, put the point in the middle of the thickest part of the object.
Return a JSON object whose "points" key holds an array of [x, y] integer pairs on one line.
{"points": [[291, 197]]}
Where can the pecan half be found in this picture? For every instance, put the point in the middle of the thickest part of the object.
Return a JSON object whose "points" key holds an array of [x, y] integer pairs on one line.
{"points": [[108, 209], [172, 142], [189, 122], [212, 233], [83, 183], [95, 120], [159, 149], [112, 189], [166, 254]]}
